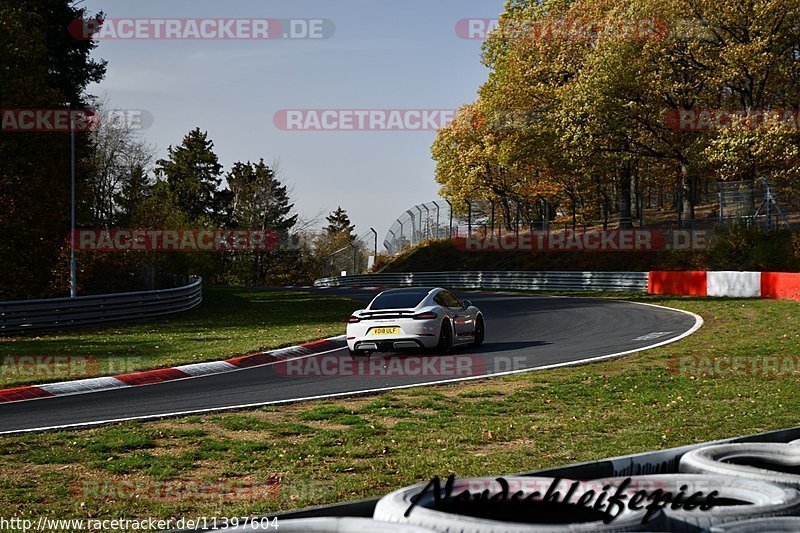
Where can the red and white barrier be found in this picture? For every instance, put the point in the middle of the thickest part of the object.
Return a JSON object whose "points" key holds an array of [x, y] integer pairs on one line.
{"points": [[780, 286], [684, 283], [773, 285], [734, 284]]}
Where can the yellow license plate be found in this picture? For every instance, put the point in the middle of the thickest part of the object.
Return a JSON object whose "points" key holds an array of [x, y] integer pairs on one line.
{"points": [[385, 331]]}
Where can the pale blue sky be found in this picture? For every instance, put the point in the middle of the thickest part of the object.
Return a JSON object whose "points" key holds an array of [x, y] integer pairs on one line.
{"points": [[385, 54]]}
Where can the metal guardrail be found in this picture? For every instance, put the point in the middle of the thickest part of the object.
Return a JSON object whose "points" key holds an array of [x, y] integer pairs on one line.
{"points": [[535, 281], [55, 313]]}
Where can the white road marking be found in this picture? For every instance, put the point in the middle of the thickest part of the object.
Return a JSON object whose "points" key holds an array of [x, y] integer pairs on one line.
{"points": [[653, 336]]}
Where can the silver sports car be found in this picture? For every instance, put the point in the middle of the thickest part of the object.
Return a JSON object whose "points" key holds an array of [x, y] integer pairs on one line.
{"points": [[401, 319]]}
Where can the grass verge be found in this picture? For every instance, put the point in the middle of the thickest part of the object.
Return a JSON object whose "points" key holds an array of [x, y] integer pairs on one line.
{"points": [[291, 456], [230, 322]]}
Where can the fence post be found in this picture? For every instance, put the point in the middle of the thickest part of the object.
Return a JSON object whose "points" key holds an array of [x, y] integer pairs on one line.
{"points": [[546, 217], [419, 230], [469, 218], [376, 242], [450, 232], [413, 228], [492, 202], [437, 220]]}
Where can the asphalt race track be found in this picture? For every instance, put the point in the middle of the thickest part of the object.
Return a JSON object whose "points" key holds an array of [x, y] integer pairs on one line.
{"points": [[522, 332]]}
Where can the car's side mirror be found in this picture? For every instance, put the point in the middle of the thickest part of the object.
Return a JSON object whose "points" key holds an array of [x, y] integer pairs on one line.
{"points": [[467, 304]]}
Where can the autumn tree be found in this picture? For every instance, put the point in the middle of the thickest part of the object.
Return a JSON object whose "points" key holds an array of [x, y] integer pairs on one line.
{"points": [[578, 112]]}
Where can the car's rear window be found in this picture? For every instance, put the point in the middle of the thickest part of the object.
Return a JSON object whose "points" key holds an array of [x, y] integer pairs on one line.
{"points": [[398, 300]]}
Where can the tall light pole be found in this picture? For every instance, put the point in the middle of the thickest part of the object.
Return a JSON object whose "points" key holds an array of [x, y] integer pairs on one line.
{"points": [[73, 289]]}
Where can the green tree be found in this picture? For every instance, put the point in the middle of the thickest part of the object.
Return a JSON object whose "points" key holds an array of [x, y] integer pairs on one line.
{"points": [[259, 199], [41, 67], [339, 224], [134, 191], [336, 237], [193, 173], [261, 202]]}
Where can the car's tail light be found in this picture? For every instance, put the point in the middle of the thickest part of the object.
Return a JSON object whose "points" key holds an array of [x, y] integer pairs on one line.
{"points": [[353, 320], [426, 316]]}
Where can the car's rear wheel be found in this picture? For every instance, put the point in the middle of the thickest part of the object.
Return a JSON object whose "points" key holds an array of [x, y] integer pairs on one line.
{"points": [[480, 332], [445, 345]]}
